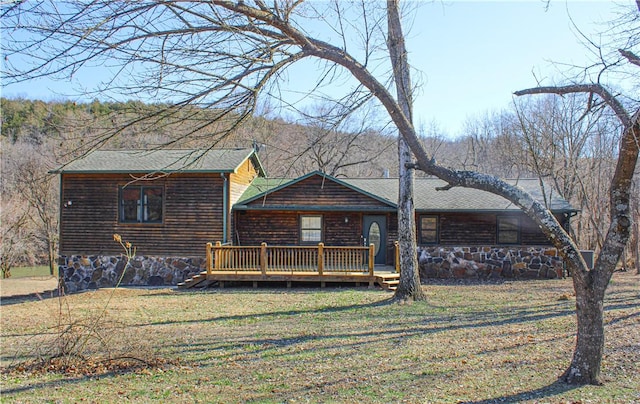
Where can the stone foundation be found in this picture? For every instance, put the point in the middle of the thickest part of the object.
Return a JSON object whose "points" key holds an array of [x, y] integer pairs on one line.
{"points": [[490, 262], [83, 272]]}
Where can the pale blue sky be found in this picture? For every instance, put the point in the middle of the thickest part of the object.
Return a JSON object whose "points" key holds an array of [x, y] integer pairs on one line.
{"points": [[471, 55]]}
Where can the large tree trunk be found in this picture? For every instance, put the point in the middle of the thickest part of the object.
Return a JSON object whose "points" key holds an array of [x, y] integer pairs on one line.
{"points": [[587, 356], [590, 286], [409, 287]]}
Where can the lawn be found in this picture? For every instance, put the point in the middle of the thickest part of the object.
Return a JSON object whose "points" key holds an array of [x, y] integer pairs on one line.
{"points": [[505, 342], [23, 272]]}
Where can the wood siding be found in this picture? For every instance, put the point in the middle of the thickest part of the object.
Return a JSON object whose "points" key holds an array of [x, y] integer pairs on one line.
{"points": [[192, 215], [319, 191], [462, 229], [241, 179], [283, 227], [467, 229]]}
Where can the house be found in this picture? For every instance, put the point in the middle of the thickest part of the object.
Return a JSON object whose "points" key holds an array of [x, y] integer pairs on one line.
{"points": [[170, 203]]}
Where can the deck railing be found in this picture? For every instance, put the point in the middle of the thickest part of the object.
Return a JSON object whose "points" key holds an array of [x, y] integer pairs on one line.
{"points": [[291, 259]]}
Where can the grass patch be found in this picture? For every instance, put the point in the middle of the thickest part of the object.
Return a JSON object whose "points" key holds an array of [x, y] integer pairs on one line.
{"points": [[487, 342], [24, 272]]}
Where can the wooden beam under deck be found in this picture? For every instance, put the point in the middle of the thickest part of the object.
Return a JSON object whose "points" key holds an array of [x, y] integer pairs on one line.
{"points": [[379, 277]]}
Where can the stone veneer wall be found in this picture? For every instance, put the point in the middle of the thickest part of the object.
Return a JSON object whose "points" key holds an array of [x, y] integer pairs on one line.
{"points": [[82, 272], [484, 262]]}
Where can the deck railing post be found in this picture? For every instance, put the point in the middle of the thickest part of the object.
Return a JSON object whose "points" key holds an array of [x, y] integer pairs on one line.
{"points": [[208, 259], [217, 258], [320, 258], [372, 258], [263, 258], [396, 249]]}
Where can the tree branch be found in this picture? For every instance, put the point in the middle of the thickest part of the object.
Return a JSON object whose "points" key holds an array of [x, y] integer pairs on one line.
{"points": [[598, 89], [630, 56]]}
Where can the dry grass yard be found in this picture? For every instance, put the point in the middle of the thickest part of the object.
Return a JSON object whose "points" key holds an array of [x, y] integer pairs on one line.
{"points": [[471, 343]]}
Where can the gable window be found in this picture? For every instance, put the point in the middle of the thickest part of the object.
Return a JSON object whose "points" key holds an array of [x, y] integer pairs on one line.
{"points": [[508, 230], [310, 229], [141, 204], [428, 229]]}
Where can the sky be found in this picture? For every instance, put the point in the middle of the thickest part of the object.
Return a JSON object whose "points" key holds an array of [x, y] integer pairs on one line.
{"points": [[468, 56]]}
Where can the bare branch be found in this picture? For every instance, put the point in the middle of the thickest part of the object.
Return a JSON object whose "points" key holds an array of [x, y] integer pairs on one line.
{"points": [[630, 56], [598, 89]]}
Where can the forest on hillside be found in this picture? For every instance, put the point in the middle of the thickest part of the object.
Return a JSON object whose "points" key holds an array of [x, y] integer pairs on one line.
{"points": [[550, 138]]}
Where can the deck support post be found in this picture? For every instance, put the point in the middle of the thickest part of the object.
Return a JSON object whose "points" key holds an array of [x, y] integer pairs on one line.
{"points": [[320, 258], [396, 249], [372, 258], [208, 259], [263, 258], [217, 259]]}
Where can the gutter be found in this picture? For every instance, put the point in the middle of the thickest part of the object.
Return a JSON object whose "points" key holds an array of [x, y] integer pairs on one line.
{"points": [[225, 207]]}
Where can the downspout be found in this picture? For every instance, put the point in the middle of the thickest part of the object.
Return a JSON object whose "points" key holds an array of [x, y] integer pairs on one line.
{"points": [[61, 206], [225, 207]]}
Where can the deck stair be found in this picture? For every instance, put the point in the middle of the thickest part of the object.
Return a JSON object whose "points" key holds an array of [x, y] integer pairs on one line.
{"points": [[389, 281], [198, 280]]}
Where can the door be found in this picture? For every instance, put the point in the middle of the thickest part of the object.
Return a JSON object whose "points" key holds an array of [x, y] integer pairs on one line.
{"points": [[374, 231]]}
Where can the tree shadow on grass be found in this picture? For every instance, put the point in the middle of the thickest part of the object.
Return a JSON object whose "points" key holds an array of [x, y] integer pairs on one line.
{"points": [[554, 389]]}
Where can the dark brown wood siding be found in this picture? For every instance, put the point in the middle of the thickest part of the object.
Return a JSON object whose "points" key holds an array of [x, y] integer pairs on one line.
{"points": [[192, 216], [462, 229], [318, 191], [283, 227]]}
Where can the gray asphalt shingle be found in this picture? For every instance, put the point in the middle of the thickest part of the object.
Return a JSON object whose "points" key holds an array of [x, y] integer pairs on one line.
{"points": [[162, 160], [426, 197]]}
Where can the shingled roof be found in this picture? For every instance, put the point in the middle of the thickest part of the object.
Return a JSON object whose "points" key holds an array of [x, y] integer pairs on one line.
{"points": [[426, 197], [161, 161]]}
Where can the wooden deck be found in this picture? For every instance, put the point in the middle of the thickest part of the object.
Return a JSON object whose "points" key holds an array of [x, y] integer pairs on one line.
{"points": [[318, 264]]}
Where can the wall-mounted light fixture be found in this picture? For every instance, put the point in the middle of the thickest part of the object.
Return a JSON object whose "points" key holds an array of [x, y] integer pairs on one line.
{"points": [[67, 204], [346, 219]]}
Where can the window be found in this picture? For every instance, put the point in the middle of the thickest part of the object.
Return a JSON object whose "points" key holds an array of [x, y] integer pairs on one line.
{"points": [[141, 204], [310, 229], [428, 229], [508, 230]]}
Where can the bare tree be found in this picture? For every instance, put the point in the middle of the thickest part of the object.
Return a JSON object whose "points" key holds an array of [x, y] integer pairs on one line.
{"points": [[15, 236], [574, 152], [41, 195], [332, 140], [409, 286], [232, 51], [590, 285]]}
